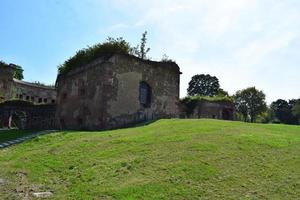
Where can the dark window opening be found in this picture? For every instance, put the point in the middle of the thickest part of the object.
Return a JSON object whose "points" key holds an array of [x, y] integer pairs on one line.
{"points": [[21, 96], [145, 94], [32, 99], [27, 98], [53, 101], [45, 100], [40, 100]]}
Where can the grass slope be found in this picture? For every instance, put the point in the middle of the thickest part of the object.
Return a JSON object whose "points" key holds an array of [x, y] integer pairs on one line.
{"points": [[169, 159]]}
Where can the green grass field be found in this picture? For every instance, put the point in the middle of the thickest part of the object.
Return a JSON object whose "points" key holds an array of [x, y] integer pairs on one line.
{"points": [[168, 159]]}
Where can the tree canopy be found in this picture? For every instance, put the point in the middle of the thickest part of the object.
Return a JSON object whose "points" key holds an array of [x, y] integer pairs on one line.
{"points": [[250, 103], [203, 85], [296, 110], [282, 111]]}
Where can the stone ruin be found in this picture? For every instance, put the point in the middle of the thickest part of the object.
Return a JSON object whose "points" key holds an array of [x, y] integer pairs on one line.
{"points": [[112, 91], [203, 108], [117, 91]]}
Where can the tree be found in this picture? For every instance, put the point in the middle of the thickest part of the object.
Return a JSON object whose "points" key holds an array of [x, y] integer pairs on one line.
{"points": [[282, 111], [203, 85], [250, 103], [222, 93], [141, 50], [18, 74], [296, 110]]}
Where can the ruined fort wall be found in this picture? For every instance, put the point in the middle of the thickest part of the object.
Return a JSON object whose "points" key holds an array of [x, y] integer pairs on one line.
{"points": [[6, 83], [81, 96], [105, 93], [11, 88], [124, 106], [36, 94], [25, 115], [214, 110]]}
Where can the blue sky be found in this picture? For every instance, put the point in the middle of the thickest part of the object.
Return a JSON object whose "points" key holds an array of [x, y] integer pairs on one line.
{"points": [[242, 42]]}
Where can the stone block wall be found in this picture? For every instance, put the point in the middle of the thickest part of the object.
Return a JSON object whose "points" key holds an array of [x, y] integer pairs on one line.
{"points": [[6, 83], [26, 115], [209, 109], [107, 93]]}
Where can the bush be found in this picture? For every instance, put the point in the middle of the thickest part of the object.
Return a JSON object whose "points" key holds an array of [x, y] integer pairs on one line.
{"points": [[86, 55]]}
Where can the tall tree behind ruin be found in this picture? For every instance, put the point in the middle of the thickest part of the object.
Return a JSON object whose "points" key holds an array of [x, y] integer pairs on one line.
{"points": [[250, 103], [203, 85]]}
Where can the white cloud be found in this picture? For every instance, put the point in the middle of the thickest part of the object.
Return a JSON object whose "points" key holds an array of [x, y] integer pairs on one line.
{"points": [[233, 39]]}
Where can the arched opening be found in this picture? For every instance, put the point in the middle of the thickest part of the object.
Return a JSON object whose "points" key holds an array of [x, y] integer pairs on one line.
{"points": [[145, 94], [227, 114]]}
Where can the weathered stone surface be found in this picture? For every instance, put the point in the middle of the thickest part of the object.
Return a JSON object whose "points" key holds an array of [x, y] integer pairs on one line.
{"points": [[35, 117], [42, 194], [105, 94]]}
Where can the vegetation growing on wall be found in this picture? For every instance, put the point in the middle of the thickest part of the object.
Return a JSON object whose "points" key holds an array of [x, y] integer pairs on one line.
{"points": [[141, 50], [110, 46], [18, 73], [86, 55]]}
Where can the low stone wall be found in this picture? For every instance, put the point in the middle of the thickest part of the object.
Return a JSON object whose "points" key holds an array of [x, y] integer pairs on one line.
{"points": [[209, 109], [25, 115]]}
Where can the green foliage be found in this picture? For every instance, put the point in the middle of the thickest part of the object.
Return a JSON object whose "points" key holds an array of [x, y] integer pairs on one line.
{"points": [[89, 54], [250, 103], [141, 50], [266, 117], [222, 93], [282, 111], [110, 46], [168, 159], [18, 73], [203, 85], [211, 99], [296, 110]]}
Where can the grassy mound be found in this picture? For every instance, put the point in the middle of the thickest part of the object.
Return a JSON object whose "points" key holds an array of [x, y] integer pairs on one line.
{"points": [[168, 159]]}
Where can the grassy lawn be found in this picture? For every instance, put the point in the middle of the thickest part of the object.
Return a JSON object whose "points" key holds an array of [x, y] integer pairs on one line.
{"points": [[168, 159], [7, 135]]}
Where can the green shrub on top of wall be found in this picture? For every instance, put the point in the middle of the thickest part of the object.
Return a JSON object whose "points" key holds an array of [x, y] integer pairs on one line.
{"points": [[86, 55]]}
